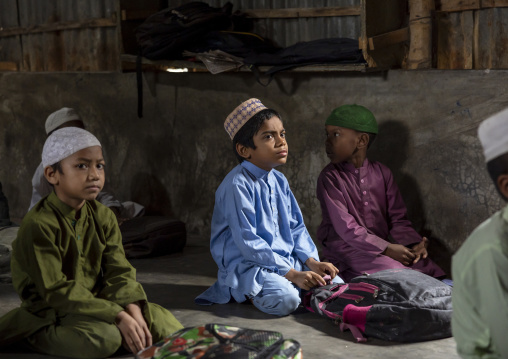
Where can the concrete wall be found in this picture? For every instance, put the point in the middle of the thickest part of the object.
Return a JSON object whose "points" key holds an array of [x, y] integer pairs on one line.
{"points": [[173, 159]]}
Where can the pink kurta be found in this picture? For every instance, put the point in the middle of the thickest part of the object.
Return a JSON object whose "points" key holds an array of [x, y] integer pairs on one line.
{"points": [[363, 212]]}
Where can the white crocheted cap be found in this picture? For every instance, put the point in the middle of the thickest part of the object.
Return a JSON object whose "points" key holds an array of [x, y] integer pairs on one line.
{"points": [[58, 118], [493, 134], [65, 142], [241, 115]]}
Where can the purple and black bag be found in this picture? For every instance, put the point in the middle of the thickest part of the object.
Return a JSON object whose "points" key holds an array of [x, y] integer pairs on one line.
{"points": [[400, 305]]}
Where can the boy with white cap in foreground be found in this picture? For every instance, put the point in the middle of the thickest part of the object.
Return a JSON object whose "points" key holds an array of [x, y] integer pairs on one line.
{"points": [[259, 241], [65, 117], [79, 294], [68, 117], [480, 266]]}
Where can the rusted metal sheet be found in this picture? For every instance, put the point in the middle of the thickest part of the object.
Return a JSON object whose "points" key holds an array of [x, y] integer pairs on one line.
{"points": [[10, 48], [473, 39], [454, 32], [458, 5], [60, 35], [64, 35], [288, 31], [462, 5], [285, 23], [494, 3], [491, 39]]}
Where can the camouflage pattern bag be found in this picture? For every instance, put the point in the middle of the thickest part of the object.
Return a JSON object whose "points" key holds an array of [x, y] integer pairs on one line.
{"points": [[222, 341]]}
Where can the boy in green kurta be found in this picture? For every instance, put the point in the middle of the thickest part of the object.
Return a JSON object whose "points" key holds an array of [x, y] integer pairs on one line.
{"points": [[79, 294], [480, 266]]}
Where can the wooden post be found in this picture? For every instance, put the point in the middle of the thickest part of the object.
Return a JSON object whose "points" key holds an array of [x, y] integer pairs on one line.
{"points": [[420, 34]]}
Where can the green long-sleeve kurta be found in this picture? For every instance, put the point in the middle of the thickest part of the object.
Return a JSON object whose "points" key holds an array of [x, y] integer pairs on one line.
{"points": [[480, 291], [63, 266]]}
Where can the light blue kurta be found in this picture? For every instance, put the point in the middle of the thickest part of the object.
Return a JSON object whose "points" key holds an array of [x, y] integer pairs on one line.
{"points": [[257, 228]]}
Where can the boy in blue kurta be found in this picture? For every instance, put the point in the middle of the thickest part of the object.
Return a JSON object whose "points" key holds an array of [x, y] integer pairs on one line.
{"points": [[259, 241], [79, 294]]}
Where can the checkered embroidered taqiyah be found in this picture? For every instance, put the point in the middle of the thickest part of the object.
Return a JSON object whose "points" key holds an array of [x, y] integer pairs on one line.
{"points": [[241, 115]]}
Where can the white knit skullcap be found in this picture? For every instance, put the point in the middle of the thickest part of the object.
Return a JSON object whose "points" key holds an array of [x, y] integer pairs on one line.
{"points": [[493, 134], [65, 142], [58, 118]]}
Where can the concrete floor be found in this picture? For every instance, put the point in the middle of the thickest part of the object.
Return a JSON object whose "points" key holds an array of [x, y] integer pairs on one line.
{"points": [[173, 281]]}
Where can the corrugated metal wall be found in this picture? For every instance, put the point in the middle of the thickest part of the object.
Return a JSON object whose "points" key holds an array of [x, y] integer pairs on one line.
{"points": [[491, 42], [476, 39], [93, 47], [286, 32], [69, 35], [79, 35], [10, 47]]}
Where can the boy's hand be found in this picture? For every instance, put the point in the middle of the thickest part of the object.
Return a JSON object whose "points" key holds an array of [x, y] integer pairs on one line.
{"points": [[400, 253], [134, 310], [132, 334], [305, 280], [322, 268], [420, 250]]}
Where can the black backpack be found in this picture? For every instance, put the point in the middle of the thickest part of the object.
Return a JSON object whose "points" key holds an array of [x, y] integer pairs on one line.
{"points": [[400, 305], [167, 33], [151, 236], [317, 52]]}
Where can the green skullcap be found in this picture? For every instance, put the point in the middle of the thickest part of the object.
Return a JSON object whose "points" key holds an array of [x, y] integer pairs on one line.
{"points": [[355, 117]]}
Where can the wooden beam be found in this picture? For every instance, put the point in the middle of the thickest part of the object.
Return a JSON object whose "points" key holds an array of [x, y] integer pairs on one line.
{"points": [[494, 3], [8, 66], [485, 4], [459, 5], [302, 12], [137, 14], [420, 9], [389, 38], [59, 26], [129, 64], [419, 55], [464, 5]]}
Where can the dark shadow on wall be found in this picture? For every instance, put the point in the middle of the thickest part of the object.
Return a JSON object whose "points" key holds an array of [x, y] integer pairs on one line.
{"points": [[391, 148], [147, 190]]}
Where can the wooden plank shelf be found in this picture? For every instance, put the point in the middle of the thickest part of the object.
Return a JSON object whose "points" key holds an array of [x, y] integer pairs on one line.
{"points": [[382, 33], [302, 12], [129, 64], [8, 66], [389, 38], [465, 5], [59, 26], [285, 13]]}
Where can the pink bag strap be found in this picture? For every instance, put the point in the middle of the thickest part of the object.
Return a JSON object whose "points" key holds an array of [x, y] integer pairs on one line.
{"points": [[354, 330]]}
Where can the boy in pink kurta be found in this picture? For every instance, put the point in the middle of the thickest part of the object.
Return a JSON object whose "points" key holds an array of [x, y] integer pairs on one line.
{"points": [[364, 227]]}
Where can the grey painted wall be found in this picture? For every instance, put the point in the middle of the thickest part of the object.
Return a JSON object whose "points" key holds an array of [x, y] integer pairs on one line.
{"points": [[173, 159]]}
